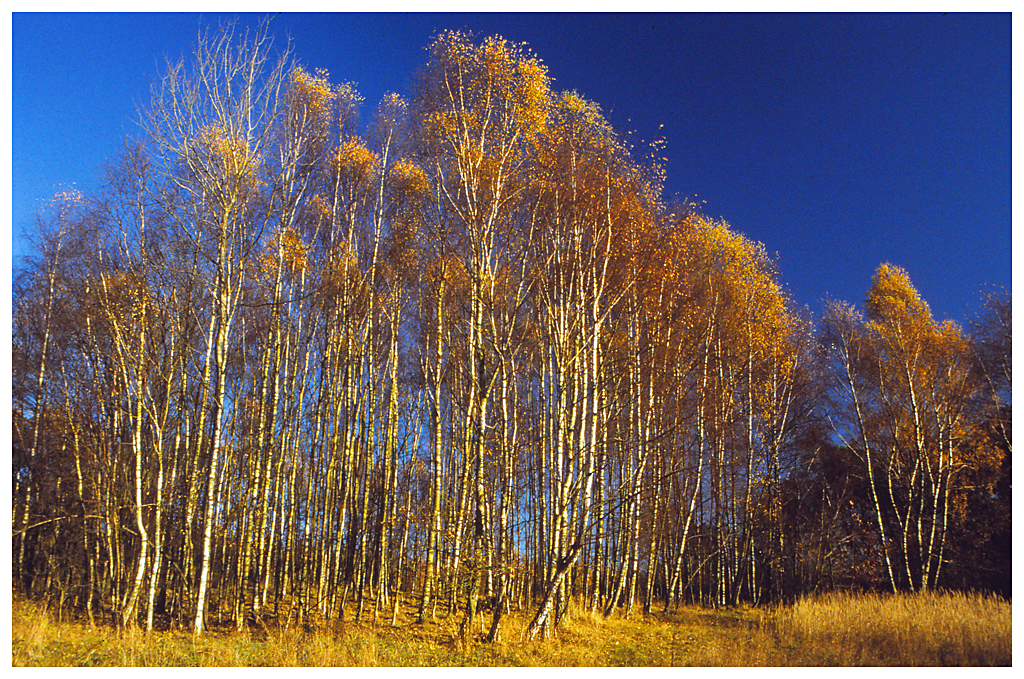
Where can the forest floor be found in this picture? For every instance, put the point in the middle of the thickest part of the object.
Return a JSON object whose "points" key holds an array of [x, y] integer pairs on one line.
{"points": [[833, 630]]}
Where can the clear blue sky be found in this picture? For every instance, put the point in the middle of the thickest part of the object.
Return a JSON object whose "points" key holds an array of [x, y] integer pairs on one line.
{"points": [[837, 140]]}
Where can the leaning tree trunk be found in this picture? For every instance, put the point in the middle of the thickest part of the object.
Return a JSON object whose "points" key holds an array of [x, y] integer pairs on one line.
{"points": [[547, 603]]}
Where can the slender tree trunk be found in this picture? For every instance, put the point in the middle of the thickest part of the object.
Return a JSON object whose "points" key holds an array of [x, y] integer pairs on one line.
{"points": [[434, 527], [217, 417]]}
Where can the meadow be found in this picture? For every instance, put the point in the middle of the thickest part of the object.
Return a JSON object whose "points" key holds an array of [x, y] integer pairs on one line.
{"points": [[928, 629]]}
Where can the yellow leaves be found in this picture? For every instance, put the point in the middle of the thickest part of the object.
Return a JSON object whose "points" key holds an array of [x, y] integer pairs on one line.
{"points": [[730, 253], [227, 158], [313, 92], [446, 123], [498, 60], [355, 154], [216, 139], [919, 369], [572, 102], [354, 161], [319, 206], [293, 249], [487, 95], [725, 293], [741, 267], [410, 178], [312, 101], [450, 46], [580, 120], [287, 250], [893, 299], [125, 296], [534, 93], [899, 322]]}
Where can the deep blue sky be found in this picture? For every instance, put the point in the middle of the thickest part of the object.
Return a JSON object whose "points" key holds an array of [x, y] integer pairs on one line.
{"points": [[837, 140]]}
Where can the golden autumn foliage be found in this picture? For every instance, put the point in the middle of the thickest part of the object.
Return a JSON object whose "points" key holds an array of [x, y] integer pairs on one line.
{"points": [[409, 178], [354, 162], [124, 296], [911, 382], [227, 157], [482, 106], [287, 249], [312, 93], [493, 85], [319, 206]]}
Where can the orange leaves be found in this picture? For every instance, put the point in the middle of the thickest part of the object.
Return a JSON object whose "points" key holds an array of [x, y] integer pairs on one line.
{"points": [[293, 249], [409, 178], [901, 326], [509, 77], [894, 307], [354, 162], [286, 251], [572, 104], [125, 297], [741, 279], [354, 155], [221, 144], [446, 124], [488, 97], [533, 90], [917, 371], [313, 93], [225, 158], [578, 144], [309, 110], [319, 205]]}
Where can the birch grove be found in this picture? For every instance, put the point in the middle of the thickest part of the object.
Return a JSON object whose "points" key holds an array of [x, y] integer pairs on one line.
{"points": [[461, 360]]}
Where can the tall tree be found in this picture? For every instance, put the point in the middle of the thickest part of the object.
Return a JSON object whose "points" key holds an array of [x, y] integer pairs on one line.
{"points": [[907, 381], [482, 107], [212, 121]]}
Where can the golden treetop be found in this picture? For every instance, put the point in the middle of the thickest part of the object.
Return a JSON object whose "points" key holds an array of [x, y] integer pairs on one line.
{"points": [[353, 160], [410, 177], [893, 295], [898, 317], [312, 91], [486, 94], [225, 156]]}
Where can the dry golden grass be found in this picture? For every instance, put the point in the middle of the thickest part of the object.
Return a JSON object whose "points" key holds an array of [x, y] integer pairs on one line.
{"points": [[925, 629]]}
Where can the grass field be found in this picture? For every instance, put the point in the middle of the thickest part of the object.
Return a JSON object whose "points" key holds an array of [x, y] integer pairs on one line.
{"points": [[836, 630]]}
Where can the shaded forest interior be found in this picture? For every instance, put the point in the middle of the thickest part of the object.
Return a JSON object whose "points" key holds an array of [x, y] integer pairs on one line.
{"points": [[288, 366]]}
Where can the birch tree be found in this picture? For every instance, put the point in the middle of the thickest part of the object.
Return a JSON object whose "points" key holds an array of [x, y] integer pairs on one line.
{"points": [[482, 105], [212, 120]]}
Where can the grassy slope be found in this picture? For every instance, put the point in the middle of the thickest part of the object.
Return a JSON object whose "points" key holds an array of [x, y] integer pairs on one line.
{"points": [[832, 630]]}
